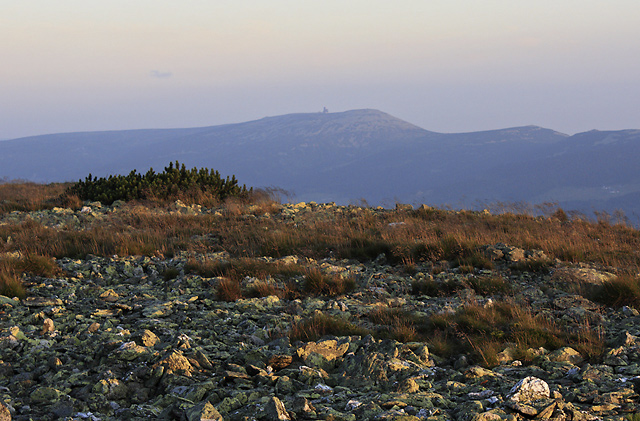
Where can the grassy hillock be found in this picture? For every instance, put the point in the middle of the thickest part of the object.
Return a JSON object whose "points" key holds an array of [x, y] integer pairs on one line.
{"points": [[475, 288]]}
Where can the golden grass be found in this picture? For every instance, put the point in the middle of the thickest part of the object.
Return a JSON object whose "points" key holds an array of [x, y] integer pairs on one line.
{"points": [[18, 195]]}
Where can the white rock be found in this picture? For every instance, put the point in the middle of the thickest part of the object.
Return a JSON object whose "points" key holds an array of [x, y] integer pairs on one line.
{"points": [[529, 389]]}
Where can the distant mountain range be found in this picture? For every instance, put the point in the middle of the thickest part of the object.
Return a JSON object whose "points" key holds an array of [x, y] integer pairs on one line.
{"points": [[361, 154]]}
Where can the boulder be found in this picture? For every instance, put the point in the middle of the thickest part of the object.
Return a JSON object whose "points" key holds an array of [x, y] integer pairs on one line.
{"points": [[529, 389]]}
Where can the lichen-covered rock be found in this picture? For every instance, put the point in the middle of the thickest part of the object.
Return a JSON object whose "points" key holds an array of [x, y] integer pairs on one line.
{"points": [[177, 363], [529, 389], [275, 410], [566, 354], [203, 411], [5, 414]]}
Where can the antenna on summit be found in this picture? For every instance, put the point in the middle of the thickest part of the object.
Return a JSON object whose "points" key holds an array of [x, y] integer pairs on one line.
{"points": [[324, 110]]}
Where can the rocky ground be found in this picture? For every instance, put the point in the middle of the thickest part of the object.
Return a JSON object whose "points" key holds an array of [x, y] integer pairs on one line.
{"points": [[113, 338]]}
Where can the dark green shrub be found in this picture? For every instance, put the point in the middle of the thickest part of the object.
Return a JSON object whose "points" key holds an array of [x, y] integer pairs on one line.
{"points": [[172, 183]]}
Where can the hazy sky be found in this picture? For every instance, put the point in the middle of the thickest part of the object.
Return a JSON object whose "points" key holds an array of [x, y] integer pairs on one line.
{"points": [[445, 65]]}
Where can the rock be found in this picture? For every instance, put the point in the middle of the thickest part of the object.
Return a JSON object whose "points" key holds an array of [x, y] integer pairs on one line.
{"points": [[45, 395], [408, 386], [529, 389], [93, 328], [5, 414], [203, 411], [302, 405], [148, 338], [566, 354], [42, 302], [506, 356], [522, 408], [47, 326], [322, 354], [129, 351], [278, 362], [275, 410], [176, 362]]}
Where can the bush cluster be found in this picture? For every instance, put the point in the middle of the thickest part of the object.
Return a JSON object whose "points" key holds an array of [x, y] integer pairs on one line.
{"points": [[171, 183]]}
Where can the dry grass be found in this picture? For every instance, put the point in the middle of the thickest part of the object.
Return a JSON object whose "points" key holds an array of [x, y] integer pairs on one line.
{"points": [[10, 284], [320, 325], [319, 283], [483, 331], [394, 323], [18, 195], [483, 285], [426, 236], [228, 290]]}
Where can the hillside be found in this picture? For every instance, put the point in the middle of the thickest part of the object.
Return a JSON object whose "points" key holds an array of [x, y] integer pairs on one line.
{"points": [[257, 310], [361, 154]]}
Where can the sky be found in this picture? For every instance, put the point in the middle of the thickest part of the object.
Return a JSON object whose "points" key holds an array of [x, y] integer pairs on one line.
{"points": [[444, 65]]}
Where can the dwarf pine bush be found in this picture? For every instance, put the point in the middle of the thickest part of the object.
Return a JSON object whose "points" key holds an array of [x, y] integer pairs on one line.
{"points": [[169, 184]]}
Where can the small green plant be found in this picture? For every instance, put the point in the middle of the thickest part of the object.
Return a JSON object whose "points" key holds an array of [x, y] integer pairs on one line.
{"points": [[320, 325]]}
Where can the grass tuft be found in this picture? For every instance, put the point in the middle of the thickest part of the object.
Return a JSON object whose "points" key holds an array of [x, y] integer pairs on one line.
{"points": [[10, 285], [319, 283], [320, 325], [624, 290], [228, 290]]}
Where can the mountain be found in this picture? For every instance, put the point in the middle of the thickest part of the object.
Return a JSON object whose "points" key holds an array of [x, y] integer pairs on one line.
{"points": [[360, 154]]}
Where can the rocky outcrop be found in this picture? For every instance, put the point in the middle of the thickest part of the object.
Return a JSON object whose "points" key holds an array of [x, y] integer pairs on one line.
{"points": [[111, 338]]}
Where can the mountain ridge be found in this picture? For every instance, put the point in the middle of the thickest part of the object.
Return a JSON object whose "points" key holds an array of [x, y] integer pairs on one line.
{"points": [[355, 154]]}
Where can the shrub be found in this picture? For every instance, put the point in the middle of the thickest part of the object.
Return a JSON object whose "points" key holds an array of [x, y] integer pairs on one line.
{"points": [[173, 183]]}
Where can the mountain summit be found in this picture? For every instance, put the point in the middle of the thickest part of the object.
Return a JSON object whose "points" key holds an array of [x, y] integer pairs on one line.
{"points": [[347, 156]]}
